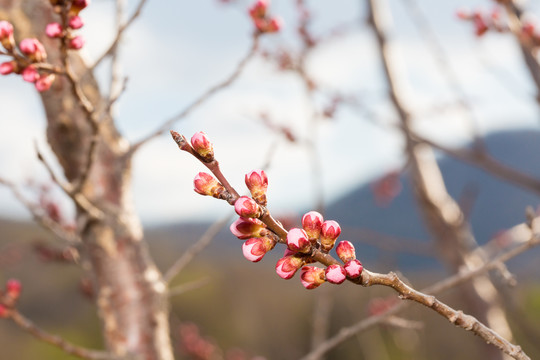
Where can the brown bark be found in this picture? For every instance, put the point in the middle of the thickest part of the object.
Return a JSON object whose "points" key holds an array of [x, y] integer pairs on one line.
{"points": [[131, 296]]}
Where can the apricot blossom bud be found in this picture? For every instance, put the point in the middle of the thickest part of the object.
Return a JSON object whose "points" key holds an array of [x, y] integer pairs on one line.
{"points": [[257, 183], [44, 82], [312, 277], [345, 251], [13, 288], [76, 43], [30, 74], [75, 22], [77, 6], [274, 25], [6, 35], [330, 231], [8, 67], [335, 274], [258, 10], [247, 207], [54, 30], [287, 266], [4, 311], [297, 240], [353, 268], [203, 146], [245, 228], [312, 223], [33, 49], [205, 184], [254, 249]]}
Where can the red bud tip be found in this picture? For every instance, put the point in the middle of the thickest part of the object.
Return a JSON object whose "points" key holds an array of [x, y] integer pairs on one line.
{"points": [[13, 288], [297, 240], [345, 251], [258, 10], [4, 311], [312, 224], [30, 74], [6, 35], [312, 277], [76, 43], [44, 82], [203, 146], [247, 207], [257, 183], [254, 249], [8, 67], [205, 184], [287, 266], [330, 231], [75, 22], [335, 274], [54, 30], [353, 268], [33, 49], [245, 228]]}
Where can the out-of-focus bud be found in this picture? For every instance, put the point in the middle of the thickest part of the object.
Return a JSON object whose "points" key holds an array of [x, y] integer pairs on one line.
{"points": [[297, 240], [257, 183], [345, 251], [480, 26], [330, 231], [203, 146], [30, 74], [258, 10], [274, 25], [6, 35], [205, 184], [75, 22], [312, 224], [254, 249], [33, 49], [463, 14], [335, 274], [54, 30], [8, 67], [76, 43], [13, 288], [312, 277], [77, 6], [4, 311], [44, 82], [245, 228], [247, 207], [353, 268], [287, 266]]}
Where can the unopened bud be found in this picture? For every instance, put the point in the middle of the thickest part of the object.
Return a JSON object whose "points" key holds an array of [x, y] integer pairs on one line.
{"points": [[76, 43], [297, 240], [258, 10], [44, 82], [75, 22], [345, 251], [274, 25], [353, 268], [8, 67], [245, 228], [205, 184], [254, 249], [287, 266], [77, 6], [312, 277], [4, 311], [6, 35], [312, 223], [203, 146], [33, 49], [13, 288], [30, 74], [335, 274], [257, 183], [247, 207], [54, 30], [330, 231]]}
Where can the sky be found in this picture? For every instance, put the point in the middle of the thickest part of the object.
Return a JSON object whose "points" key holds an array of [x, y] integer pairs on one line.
{"points": [[176, 50]]}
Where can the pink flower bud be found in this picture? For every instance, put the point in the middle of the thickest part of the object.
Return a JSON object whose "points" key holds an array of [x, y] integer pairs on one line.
{"points": [[258, 10], [203, 146], [33, 49], [77, 6], [257, 183], [205, 184], [330, 231], [297, 240], [312, 277], [463, 14], [480, 26], [345, 251], [54, 30], [247, 207], [245, 228], [76, 43], [6, 35], [30, 74], [8, 67], [287, 266], [4, 311], [254, 249], [13, 288], [312, 223], [44, 82], [75, 22], [335, 274], [353, 268], [274, 25]]}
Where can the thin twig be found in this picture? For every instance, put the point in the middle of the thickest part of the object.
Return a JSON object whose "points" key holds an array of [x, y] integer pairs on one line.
{"points": [[186, 287], [202, 98]]}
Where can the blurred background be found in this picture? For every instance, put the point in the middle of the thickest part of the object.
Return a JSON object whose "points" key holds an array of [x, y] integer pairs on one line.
{"points": [[336, 149]]}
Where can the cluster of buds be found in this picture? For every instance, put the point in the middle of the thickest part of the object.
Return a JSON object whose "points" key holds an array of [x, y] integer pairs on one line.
{"points": [[71, 21], [484, 21], [9, 297], [262, 21]]}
